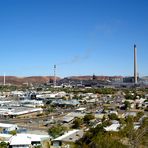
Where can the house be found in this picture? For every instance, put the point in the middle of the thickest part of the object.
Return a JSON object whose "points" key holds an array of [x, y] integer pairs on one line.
{"points": [[68, 119], [19, 142], [65, 103], [32, 103], [137, 125], [8, 127], [134, 114], [113, 112], [80, 110], [24, 140], [18, 111], [76, 114], [69, 137], [114, 127]]}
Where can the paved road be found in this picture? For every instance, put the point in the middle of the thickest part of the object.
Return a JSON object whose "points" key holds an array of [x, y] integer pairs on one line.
{"points": [[34, 123]]}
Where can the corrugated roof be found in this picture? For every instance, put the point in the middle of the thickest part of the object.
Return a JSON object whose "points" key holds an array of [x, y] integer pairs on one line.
{"points": [[70, 136], [3, 125], [20, 140]]}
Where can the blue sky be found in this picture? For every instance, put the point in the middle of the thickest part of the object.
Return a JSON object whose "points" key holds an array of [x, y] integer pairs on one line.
{"points": [[81, 37]]}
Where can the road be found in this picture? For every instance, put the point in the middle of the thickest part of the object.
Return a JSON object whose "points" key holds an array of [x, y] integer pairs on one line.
{"points": [[33, 123]]}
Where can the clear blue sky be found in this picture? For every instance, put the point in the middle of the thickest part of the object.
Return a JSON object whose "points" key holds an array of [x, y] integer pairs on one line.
{"points": [[81, 36]]}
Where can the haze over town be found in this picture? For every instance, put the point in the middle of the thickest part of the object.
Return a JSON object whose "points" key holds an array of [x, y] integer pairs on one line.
{"points": [[80, 37]]}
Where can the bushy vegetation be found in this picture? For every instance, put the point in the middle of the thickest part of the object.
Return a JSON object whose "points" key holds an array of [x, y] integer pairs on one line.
{"points": [[3, 145], [113, 116], [127, 105], [56, 131], [77, 123], [89, 90], [88, 117], [127, 137], [14, 132], [98, 138], [8, 88]]}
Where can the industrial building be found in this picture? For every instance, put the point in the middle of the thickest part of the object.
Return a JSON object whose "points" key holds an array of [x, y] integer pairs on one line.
{"points": [[18, 111]]}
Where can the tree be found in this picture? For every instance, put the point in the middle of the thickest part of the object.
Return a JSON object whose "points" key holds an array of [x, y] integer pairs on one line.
{"points": [[14, 132], [129, 97], [3, 145], [113, 116], [139, 115], [136, 138], [49, 109], [140, 135], [127, 105], [88, 117], [106, 141], [98, 138], [77, 123], [56, 131], [122, 121], [98, 129], [126, 137], [128, 129]]}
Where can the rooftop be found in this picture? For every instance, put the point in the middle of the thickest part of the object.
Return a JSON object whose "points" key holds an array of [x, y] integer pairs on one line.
{"points": [[70, 136], [18, 110]]}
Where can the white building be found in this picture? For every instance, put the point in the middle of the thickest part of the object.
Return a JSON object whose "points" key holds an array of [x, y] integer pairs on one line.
{"points": [[8, 127], [70, 136], [20, 141], [114, 127], [24, 140]]}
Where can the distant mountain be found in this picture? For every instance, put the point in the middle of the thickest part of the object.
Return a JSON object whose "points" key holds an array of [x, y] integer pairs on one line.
{"points": [[44, 79], [21, 80]]}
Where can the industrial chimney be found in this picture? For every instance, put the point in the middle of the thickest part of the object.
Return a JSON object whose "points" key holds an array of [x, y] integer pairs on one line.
{"points": [[54, 83], [135, 64], [4, 79]]}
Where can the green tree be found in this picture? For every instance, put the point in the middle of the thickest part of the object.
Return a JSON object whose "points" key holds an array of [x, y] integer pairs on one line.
{"points": [[113, 116], [129, 97], [14, 132], [56, 131], [98, 138], [122, 121], [127, 137], [127, 105], [141, 135], [88, 117], [106, 141], [3, 145], [139, 115], [77, 123], [49, 109]]}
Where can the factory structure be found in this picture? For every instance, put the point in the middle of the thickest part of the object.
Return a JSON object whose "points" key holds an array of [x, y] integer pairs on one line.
{"points": [[135, 78], [82, 81], [135, 64], [54, 83], [100, 81]]}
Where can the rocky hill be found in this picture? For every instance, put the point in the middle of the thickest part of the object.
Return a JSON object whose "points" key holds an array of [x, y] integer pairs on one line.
{"points": [[21, 80], [44, 79]]}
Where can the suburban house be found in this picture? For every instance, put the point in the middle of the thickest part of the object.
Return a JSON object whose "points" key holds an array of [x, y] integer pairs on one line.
{"points": [[69, 137]]}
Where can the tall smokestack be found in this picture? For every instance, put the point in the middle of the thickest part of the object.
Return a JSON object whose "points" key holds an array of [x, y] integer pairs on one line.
{"points": [[54, 83], [4, 79], [135, 64]]}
